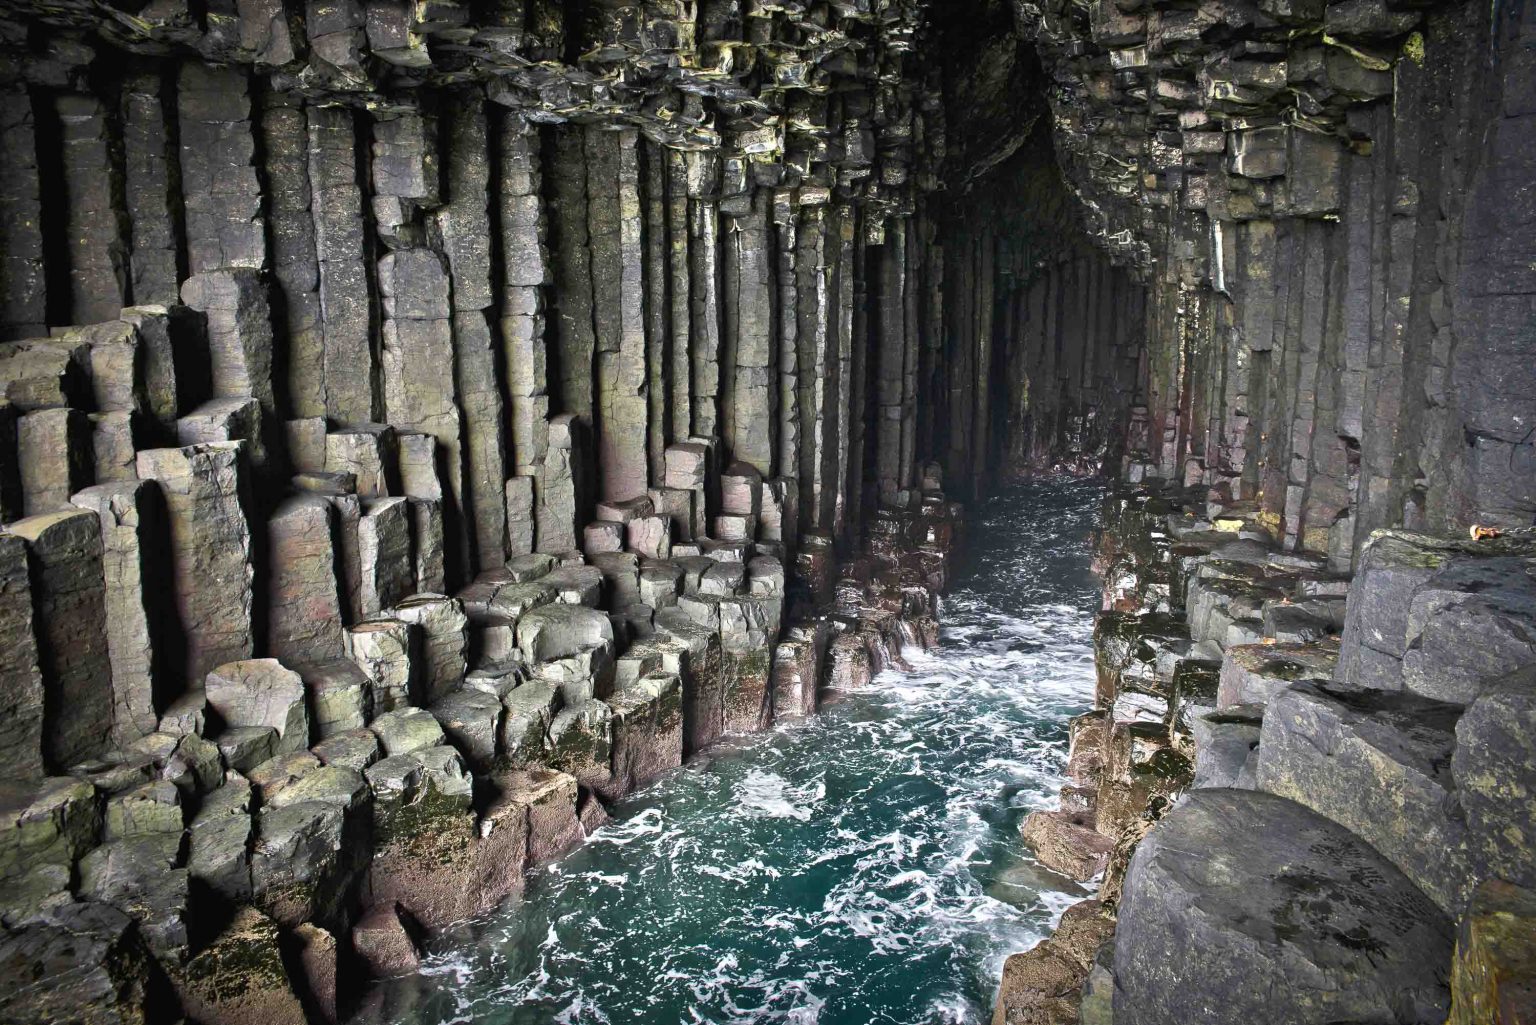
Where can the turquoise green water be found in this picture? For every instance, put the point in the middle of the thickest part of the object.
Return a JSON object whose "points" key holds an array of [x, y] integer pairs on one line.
{"points": [[860, 867]]}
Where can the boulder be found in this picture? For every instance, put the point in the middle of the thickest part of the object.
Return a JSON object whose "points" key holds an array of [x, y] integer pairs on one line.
{"points": [[407, 730], [1237, 906], [245, 747], [1252, 673], [1494, 769], [528, 712], [553, 632], [218, 852], [1469, 625], [444, 631], [1379, 764], [340, 696], [386, 650], [305, 861], [1043, 985], [261, 692], [135, 877], [1226, 748], [576, 585], [352, 749], [471, 720], [48, 822]]}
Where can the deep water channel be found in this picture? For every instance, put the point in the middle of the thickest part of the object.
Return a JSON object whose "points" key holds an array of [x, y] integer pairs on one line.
{"points": [[862, 866]]}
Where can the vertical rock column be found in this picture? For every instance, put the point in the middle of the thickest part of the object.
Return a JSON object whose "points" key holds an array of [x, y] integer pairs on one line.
{"points": [[340, 245], [419, 366], [296, 272], [98, 258], [524, 277], [21, 681], [748, 427], [204, 488], [22, 291], [574, 340], [304, 613], [615, 228], [221, 193], [151, 189], [134, 578], [69, 607], [890, 360], [817, 364], [679, 287], [703, 184], [562, 492], [786, 314], [464, 222]]}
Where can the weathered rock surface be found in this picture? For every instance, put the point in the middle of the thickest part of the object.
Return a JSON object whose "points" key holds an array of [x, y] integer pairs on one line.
{"points": [[1265, 889]]}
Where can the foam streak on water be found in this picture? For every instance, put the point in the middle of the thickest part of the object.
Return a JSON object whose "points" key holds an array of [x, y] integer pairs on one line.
{"points": [[861, 867]]}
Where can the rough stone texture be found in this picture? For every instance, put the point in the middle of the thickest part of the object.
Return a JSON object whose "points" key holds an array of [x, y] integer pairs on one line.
{"points": [[304, 612], [1265, 888], [261, 692], [21, 679], [444, 640], [1378, 764], [69, 603], [1494, 976], [241, 977], [83, 962], [205, 493], [1494, 768], [133, 535], [386, 650]]}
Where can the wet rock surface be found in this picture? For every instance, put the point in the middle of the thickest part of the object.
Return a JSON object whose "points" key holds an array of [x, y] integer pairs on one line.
{"points": [[1296, 920]]}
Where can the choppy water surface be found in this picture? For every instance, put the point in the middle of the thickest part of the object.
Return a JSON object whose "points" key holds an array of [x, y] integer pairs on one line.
{"points": [[863, 866]]}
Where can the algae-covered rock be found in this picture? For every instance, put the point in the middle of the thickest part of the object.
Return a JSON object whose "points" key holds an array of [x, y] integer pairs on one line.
{"points": [[1067, 843], [1493, 979], [50, 822], [240, 978]]}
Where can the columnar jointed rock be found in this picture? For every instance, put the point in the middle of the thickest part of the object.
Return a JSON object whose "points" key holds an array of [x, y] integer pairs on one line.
{"points": [[304, 604], [134, 574], [444, 640], [69, 602], [205, 493], [21, 681], [387, 652]]}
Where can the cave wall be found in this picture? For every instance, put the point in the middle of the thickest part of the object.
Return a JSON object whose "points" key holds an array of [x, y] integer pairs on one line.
{"points": [[1328, 206], [664, 221]]}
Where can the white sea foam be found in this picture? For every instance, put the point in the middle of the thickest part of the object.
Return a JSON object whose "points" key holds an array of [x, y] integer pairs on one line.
{"points": [[861, 865]]}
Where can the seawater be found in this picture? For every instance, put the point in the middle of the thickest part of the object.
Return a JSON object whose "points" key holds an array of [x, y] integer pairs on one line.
{"points": [[862, 866]]}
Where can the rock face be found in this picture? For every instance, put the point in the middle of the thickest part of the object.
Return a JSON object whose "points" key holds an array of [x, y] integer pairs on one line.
{"points": [[1237, 876]]}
